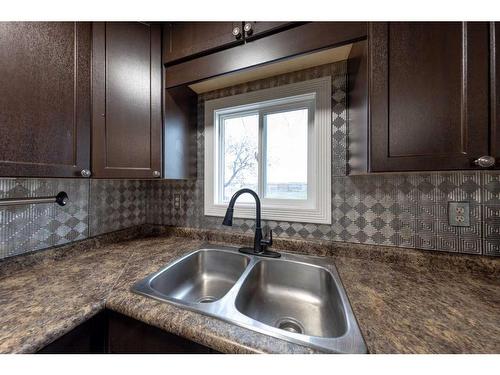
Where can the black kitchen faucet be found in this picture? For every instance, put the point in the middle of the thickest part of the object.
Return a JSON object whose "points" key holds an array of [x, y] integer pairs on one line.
{"points": [[259, 244]]}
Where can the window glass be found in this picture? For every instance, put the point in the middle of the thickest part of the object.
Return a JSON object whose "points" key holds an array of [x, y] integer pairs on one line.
{"points": [[240, 148], [286, 154]]}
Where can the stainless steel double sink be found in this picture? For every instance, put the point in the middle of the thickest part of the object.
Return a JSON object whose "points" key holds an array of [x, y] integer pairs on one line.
{"points": [[296, 297]]}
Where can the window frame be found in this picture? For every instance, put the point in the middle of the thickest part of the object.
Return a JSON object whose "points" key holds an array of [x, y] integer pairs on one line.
{"points": [[308, 104], [315, 95], [220, 158]]}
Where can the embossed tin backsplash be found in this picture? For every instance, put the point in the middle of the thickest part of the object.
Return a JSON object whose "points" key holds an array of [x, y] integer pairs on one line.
{"points": [[94, 207], [37, 226], [406, 210]]}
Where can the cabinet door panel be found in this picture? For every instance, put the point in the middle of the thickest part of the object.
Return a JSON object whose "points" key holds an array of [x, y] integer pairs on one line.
{"points": [[295, 41], [495, 89], [130, 336], [87, 338], [127, 100], [44, 98], [264, 28], [184, 39], [428, 95]]}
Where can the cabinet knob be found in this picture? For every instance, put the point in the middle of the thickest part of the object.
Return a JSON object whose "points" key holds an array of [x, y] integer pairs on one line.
{"points": [[86, 173], [62, 198], [156, 174], [248, 28], [485, 161], [237, 32]]}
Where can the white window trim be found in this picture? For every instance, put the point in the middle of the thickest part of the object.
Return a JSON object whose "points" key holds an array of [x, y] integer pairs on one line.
{"points": [[279, 210]]}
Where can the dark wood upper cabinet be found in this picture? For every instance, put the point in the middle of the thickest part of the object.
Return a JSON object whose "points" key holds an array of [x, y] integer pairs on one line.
{"points": [[44, 98], [259, 29], [126, 89], [495, 89], [293, 41], [427, 94], [188, 39]]}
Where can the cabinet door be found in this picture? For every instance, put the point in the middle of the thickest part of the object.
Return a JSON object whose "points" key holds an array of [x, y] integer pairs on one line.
{"points": [[87, 338], [185, 39], [495, 90], [130, 336], [126, 86], [264, 28], [428, 95], [44, 98]]}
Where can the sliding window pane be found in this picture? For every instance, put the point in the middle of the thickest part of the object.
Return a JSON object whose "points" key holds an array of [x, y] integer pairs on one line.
{"points": [[240, 151], [286, 154]]}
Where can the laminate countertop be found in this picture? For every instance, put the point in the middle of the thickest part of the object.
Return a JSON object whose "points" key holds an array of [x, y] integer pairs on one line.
{"points": [[405, 301]]}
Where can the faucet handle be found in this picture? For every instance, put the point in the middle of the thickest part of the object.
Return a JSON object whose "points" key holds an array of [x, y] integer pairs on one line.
{"points": [[268, 242]]}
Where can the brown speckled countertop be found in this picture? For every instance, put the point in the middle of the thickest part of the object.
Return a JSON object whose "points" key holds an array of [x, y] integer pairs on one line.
{"points": [[405, 301]]}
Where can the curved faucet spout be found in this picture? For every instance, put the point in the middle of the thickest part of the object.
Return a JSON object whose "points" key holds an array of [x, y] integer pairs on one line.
{"points": [[228, 219], [259, 245]]}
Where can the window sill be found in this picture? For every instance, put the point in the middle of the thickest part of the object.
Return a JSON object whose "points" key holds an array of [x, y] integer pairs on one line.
{"points": [[316, 216]]}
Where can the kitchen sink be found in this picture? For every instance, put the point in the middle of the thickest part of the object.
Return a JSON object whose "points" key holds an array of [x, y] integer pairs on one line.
{"points": [[297, 298], [293, 296], [204, 276]]}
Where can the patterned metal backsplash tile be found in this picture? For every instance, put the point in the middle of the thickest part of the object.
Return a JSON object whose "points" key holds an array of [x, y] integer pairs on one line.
{"points": [[108, 205], [116, 204], [160, 203], [37, 226], [491, 229], [406, 210]]}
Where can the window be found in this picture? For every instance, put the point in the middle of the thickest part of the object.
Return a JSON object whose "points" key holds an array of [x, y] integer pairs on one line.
{"points": [[274, 141], [269, 140]]}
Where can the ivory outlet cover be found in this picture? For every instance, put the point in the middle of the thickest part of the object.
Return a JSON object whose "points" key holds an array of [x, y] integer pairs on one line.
{"points": [[459, 214], [177, 201]]}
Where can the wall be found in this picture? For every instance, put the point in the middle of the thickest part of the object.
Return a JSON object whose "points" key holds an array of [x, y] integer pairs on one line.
{"points": [[95, 207], [407, 210]]}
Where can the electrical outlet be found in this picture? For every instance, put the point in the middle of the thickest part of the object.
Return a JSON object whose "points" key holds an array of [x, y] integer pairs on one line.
{"points": [[177, 201], [459, 214]]}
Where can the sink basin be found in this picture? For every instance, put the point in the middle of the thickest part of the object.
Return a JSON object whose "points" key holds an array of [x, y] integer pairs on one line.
{"points": [[296, 297], [293, 296], [203, 277]]}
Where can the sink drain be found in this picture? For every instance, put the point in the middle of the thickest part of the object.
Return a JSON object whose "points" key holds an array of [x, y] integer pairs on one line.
{"points": [[290, 325], [206, 299]]}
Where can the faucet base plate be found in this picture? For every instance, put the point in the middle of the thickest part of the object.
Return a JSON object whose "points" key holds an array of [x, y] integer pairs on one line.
{"points": [[265, 253]]}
